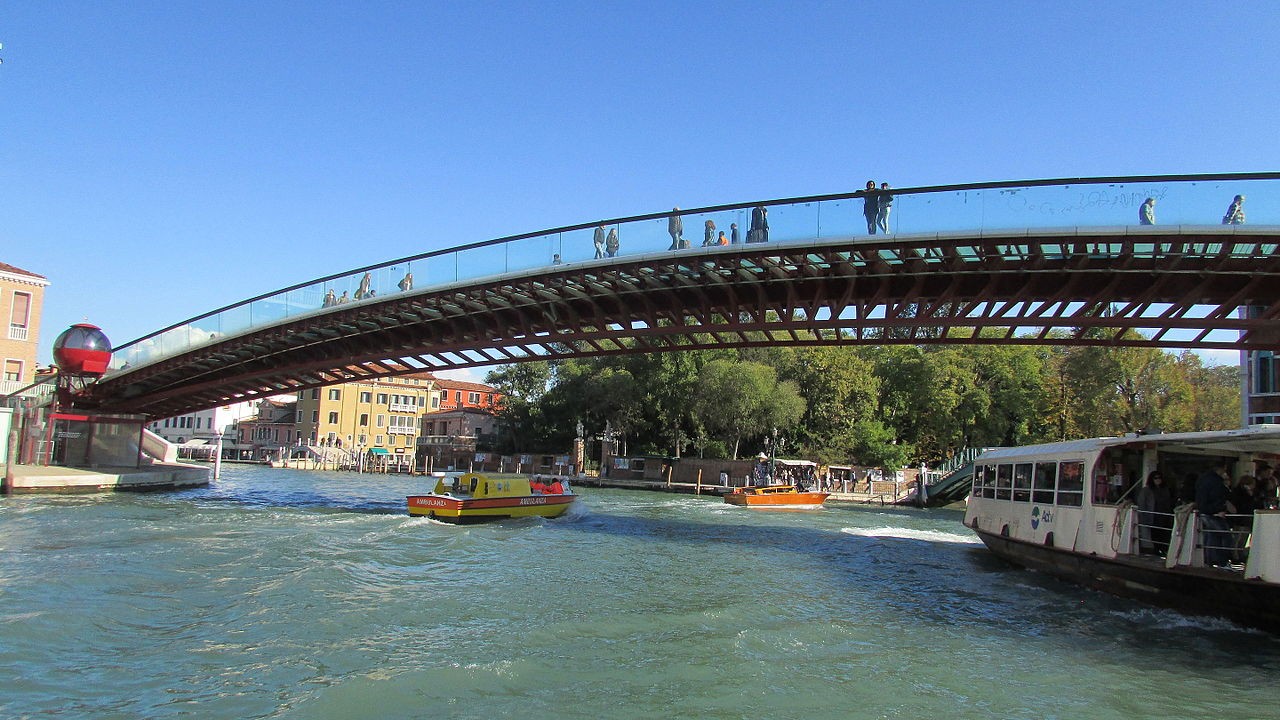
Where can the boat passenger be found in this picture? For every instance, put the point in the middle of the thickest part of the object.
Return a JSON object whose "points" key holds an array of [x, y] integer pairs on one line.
{"points": [[1155, 515], [1245, 502], [1265, 492], [555, 488], [536, 485], [1213, 506]]}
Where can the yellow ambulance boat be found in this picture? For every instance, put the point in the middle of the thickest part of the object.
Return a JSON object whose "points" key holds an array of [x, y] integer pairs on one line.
{"points": [[474, 498]]}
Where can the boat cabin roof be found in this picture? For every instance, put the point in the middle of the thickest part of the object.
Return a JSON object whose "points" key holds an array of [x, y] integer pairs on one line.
{"points": [[1256, 439]]}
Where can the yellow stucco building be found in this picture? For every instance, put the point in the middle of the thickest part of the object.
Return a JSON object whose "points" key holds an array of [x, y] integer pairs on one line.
{"points": [[383, 412], [21, 300]]}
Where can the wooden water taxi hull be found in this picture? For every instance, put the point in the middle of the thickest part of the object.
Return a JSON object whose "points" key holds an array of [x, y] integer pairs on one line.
{"points": [[791, 500], [446, 508], [1196, 590]]}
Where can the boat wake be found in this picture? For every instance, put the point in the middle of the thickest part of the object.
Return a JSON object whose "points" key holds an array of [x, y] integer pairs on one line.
{"points": [[1165, 619], [912, 534]]}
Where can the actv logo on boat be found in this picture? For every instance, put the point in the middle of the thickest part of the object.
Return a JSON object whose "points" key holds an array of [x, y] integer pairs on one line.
{"points": [[1037, 517]]}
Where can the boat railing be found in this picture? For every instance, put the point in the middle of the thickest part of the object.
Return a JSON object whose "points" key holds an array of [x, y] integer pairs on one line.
{"points": [[1184, 538]]}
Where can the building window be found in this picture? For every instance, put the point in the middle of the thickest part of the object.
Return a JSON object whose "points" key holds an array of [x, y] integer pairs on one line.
{"points": [[379, 420], [366, 397], [315, 416], [473, 398], [13, 370], [378, 441], [364, 419], [382, 398], [333, 418], [1265, 375], [315, 393], [19, 316], [335, 394], [435, 403]]}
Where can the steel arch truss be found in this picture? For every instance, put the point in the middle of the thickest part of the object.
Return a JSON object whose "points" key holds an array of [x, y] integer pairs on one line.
{"points": [[1163, 288]]}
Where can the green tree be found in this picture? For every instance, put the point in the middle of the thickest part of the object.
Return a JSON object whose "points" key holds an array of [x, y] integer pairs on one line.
{"points": [[841, 393], [520, 417], [735, 400]]}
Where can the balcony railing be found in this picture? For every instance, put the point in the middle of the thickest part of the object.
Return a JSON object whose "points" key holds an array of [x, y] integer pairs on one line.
{"points": [[1032, 205], [9, 387], [447, 440], [17, 332]]}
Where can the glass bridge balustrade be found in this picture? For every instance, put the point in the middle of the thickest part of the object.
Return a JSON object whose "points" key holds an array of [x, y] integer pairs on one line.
{"points": [[1037, 208]]}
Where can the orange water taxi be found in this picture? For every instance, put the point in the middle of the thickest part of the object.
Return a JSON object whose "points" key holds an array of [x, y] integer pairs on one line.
{"points": [[472, 498], [776, 496]]}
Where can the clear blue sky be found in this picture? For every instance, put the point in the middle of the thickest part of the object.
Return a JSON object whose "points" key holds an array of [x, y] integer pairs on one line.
{"points": [[161, 159]]}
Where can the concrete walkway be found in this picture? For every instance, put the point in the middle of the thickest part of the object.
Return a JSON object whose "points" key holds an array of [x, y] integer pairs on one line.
{"points": [[54, 479]]}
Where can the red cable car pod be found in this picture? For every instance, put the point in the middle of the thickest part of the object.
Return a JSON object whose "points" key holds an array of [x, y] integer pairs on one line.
{"points": [[82, 350]]}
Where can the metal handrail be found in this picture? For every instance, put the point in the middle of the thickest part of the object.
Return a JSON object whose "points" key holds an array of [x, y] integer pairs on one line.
{"points": [[961, 187]]}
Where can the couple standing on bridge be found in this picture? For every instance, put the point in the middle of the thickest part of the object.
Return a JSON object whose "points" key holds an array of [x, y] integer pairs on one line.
{"points": [[876, 206], [606, 246]]}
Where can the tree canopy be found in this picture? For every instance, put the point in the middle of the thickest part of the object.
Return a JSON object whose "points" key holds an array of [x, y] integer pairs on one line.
{"points": [[870, 405]]}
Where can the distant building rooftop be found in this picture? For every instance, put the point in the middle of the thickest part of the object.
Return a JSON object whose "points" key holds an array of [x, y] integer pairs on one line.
{"points": [[7, 269]]}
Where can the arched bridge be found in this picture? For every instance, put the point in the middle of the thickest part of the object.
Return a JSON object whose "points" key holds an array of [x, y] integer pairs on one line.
{"points": [[1051, 262]]}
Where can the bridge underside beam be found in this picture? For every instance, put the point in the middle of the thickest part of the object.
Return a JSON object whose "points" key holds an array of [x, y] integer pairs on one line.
{"points": [[1180, 290]]}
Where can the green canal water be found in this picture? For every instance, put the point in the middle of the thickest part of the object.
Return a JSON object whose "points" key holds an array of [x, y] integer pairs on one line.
{"points": [[288, 594]]}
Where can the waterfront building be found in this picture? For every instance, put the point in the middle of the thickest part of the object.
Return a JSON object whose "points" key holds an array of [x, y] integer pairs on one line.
{"points": [[1260, 382], [381, 415], [269, 434], [196, 434], [21, 302], [451, 439], [458, 394]]}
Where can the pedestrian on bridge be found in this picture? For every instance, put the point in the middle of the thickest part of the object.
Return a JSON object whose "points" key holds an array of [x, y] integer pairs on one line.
{"points": [[675, 227], [709, 235], [1235, 212], [884, 205], [598, 241], [759, 230], [870, 206], [611, 243], [1147, 213]]}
